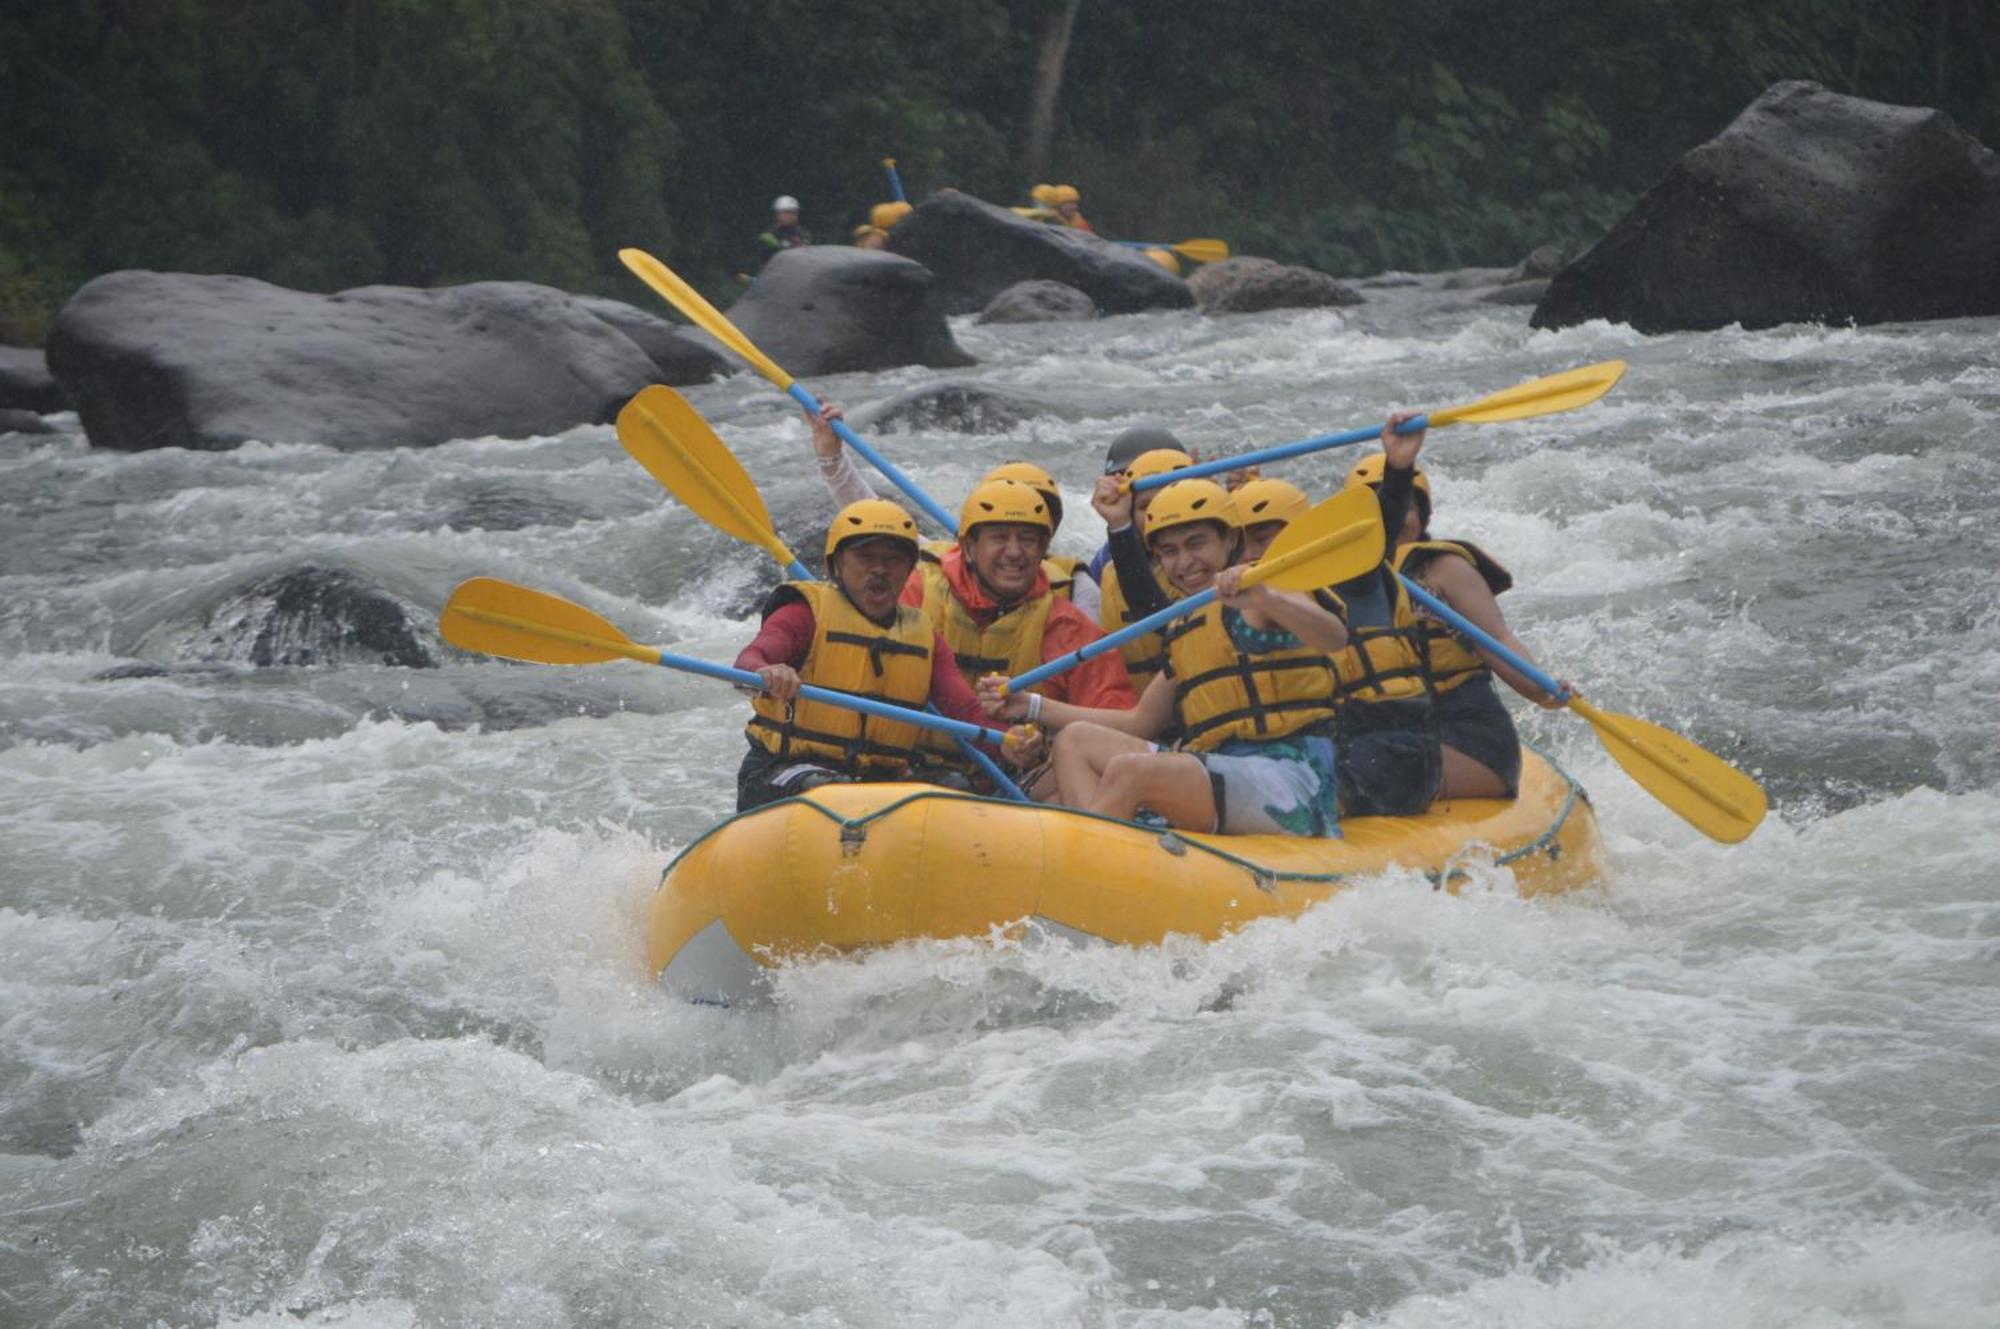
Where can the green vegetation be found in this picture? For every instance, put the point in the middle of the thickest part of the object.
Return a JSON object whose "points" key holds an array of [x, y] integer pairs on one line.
{"points": [[332, 143]]}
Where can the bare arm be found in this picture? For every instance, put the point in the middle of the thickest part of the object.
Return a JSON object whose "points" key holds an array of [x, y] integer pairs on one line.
{"points": [[1459, 585], [1150, 718], [1262, 606]]}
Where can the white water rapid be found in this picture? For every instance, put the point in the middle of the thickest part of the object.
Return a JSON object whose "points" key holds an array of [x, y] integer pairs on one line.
{"points": [[321, 1000]]}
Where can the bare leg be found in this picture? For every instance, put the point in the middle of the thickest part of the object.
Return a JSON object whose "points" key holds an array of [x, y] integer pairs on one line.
{"points": [[1466, 778], [1172, 784], [1081, 753]]}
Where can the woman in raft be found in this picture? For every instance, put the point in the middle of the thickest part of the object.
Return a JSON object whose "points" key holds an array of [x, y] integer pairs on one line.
{"points": [[1482, 751], [1249, 687]]}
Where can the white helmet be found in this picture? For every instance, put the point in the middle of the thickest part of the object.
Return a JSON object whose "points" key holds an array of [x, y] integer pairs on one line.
{"points": [[784, 203]]}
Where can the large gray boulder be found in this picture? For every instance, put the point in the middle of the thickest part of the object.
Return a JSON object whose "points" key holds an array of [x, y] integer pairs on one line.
{"points": [[1039, 301], [161, 359], [1253, 285], [680, 356], [832, 309], [310, 614], [25, 382], [978, 250], [1810, 207]]}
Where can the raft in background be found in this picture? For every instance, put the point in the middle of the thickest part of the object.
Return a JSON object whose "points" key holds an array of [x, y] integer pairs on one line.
{"points": [[850, 867]]}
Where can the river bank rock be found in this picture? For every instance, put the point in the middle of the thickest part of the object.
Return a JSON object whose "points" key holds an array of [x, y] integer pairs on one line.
{"points": [[965, 408], [1253, 285], [26, 384], [162, 359], [831, 309], [309, 615], [23, 422], [978, 250], [1810, 207], [1039, 301], [680, 356], [1526, 292]]}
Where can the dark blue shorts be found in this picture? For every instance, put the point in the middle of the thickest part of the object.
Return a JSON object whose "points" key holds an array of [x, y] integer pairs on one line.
{"points": [[1474, 721]]}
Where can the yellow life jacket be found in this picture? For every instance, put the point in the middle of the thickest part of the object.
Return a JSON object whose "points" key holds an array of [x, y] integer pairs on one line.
{"points": [[1144, 655], [1011, 644], [1452, 659], [1383, 661], [1060, 569], [1221, 692], [854, 654]]}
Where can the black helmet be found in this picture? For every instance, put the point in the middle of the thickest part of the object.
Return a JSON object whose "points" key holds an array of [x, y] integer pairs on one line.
{"points": [[1136, 441]]}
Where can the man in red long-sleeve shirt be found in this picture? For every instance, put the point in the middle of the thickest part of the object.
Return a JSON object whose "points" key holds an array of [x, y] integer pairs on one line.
{"points": [[851, 634]]}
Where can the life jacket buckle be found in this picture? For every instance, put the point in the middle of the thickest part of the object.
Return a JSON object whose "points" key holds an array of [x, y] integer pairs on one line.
{"points": [[853, 835]]}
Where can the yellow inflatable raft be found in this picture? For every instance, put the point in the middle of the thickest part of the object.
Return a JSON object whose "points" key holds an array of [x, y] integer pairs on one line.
{"points": [[848, 867]]}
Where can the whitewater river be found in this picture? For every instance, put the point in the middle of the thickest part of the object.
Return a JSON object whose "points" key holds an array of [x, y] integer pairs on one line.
{"points": [[321, 998]]}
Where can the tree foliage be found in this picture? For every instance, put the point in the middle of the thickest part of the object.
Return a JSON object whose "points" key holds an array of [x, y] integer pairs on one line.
{"points": [[329, 143]]}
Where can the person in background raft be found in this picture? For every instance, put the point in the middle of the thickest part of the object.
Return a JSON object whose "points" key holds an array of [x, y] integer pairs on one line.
{"points": [[847, 484], [882, 219], [852, 633], [1248, 688], [783, 233], [1069, 208], [1481, 750]]}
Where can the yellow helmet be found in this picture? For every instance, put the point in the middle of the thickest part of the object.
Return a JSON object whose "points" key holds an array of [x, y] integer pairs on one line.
{"points": [[1044, 195], [884, 216], [1185, 502], [1369, 470], [1270, 500], [869, 517], [1158, 462], [993, 501], [1033, 476], [1166, 259], [1061, 194]]}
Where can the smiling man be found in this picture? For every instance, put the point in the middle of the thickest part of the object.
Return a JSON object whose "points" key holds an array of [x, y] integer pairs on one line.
{"points": [[1249, 686], [988, 599], [851, 633]]}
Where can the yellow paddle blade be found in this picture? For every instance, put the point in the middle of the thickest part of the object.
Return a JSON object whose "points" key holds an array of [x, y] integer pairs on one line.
{"points": [[499, 618], [1543, 396], [704, 315], [1704, 790], [667, 436], [1202, 251], [1333, 542]]}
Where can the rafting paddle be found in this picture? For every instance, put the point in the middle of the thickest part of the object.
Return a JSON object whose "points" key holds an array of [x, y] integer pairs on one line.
{"points": [[1524, 401], [500, 618], [689, 301], [1704, 790], [1336, 541], [667, 436], [895, 180], [1198, 251]]}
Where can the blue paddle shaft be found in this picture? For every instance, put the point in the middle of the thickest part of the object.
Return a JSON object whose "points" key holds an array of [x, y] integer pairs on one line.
{"points": [[834, 697], [1466, 628], [1277, 453], [895, 182], [1112, 641], [896, 477]]}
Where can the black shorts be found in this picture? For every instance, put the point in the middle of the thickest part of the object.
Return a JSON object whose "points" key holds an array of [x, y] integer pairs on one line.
{"points": [[765, 777], [1474, 721], [1390, 763]]}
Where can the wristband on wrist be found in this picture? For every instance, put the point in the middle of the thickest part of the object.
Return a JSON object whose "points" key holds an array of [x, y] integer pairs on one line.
{"points": [[1034, 707]]}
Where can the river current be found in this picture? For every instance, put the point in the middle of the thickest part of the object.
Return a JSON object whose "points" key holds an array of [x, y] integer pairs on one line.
{"points": [[321, 1000]]}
